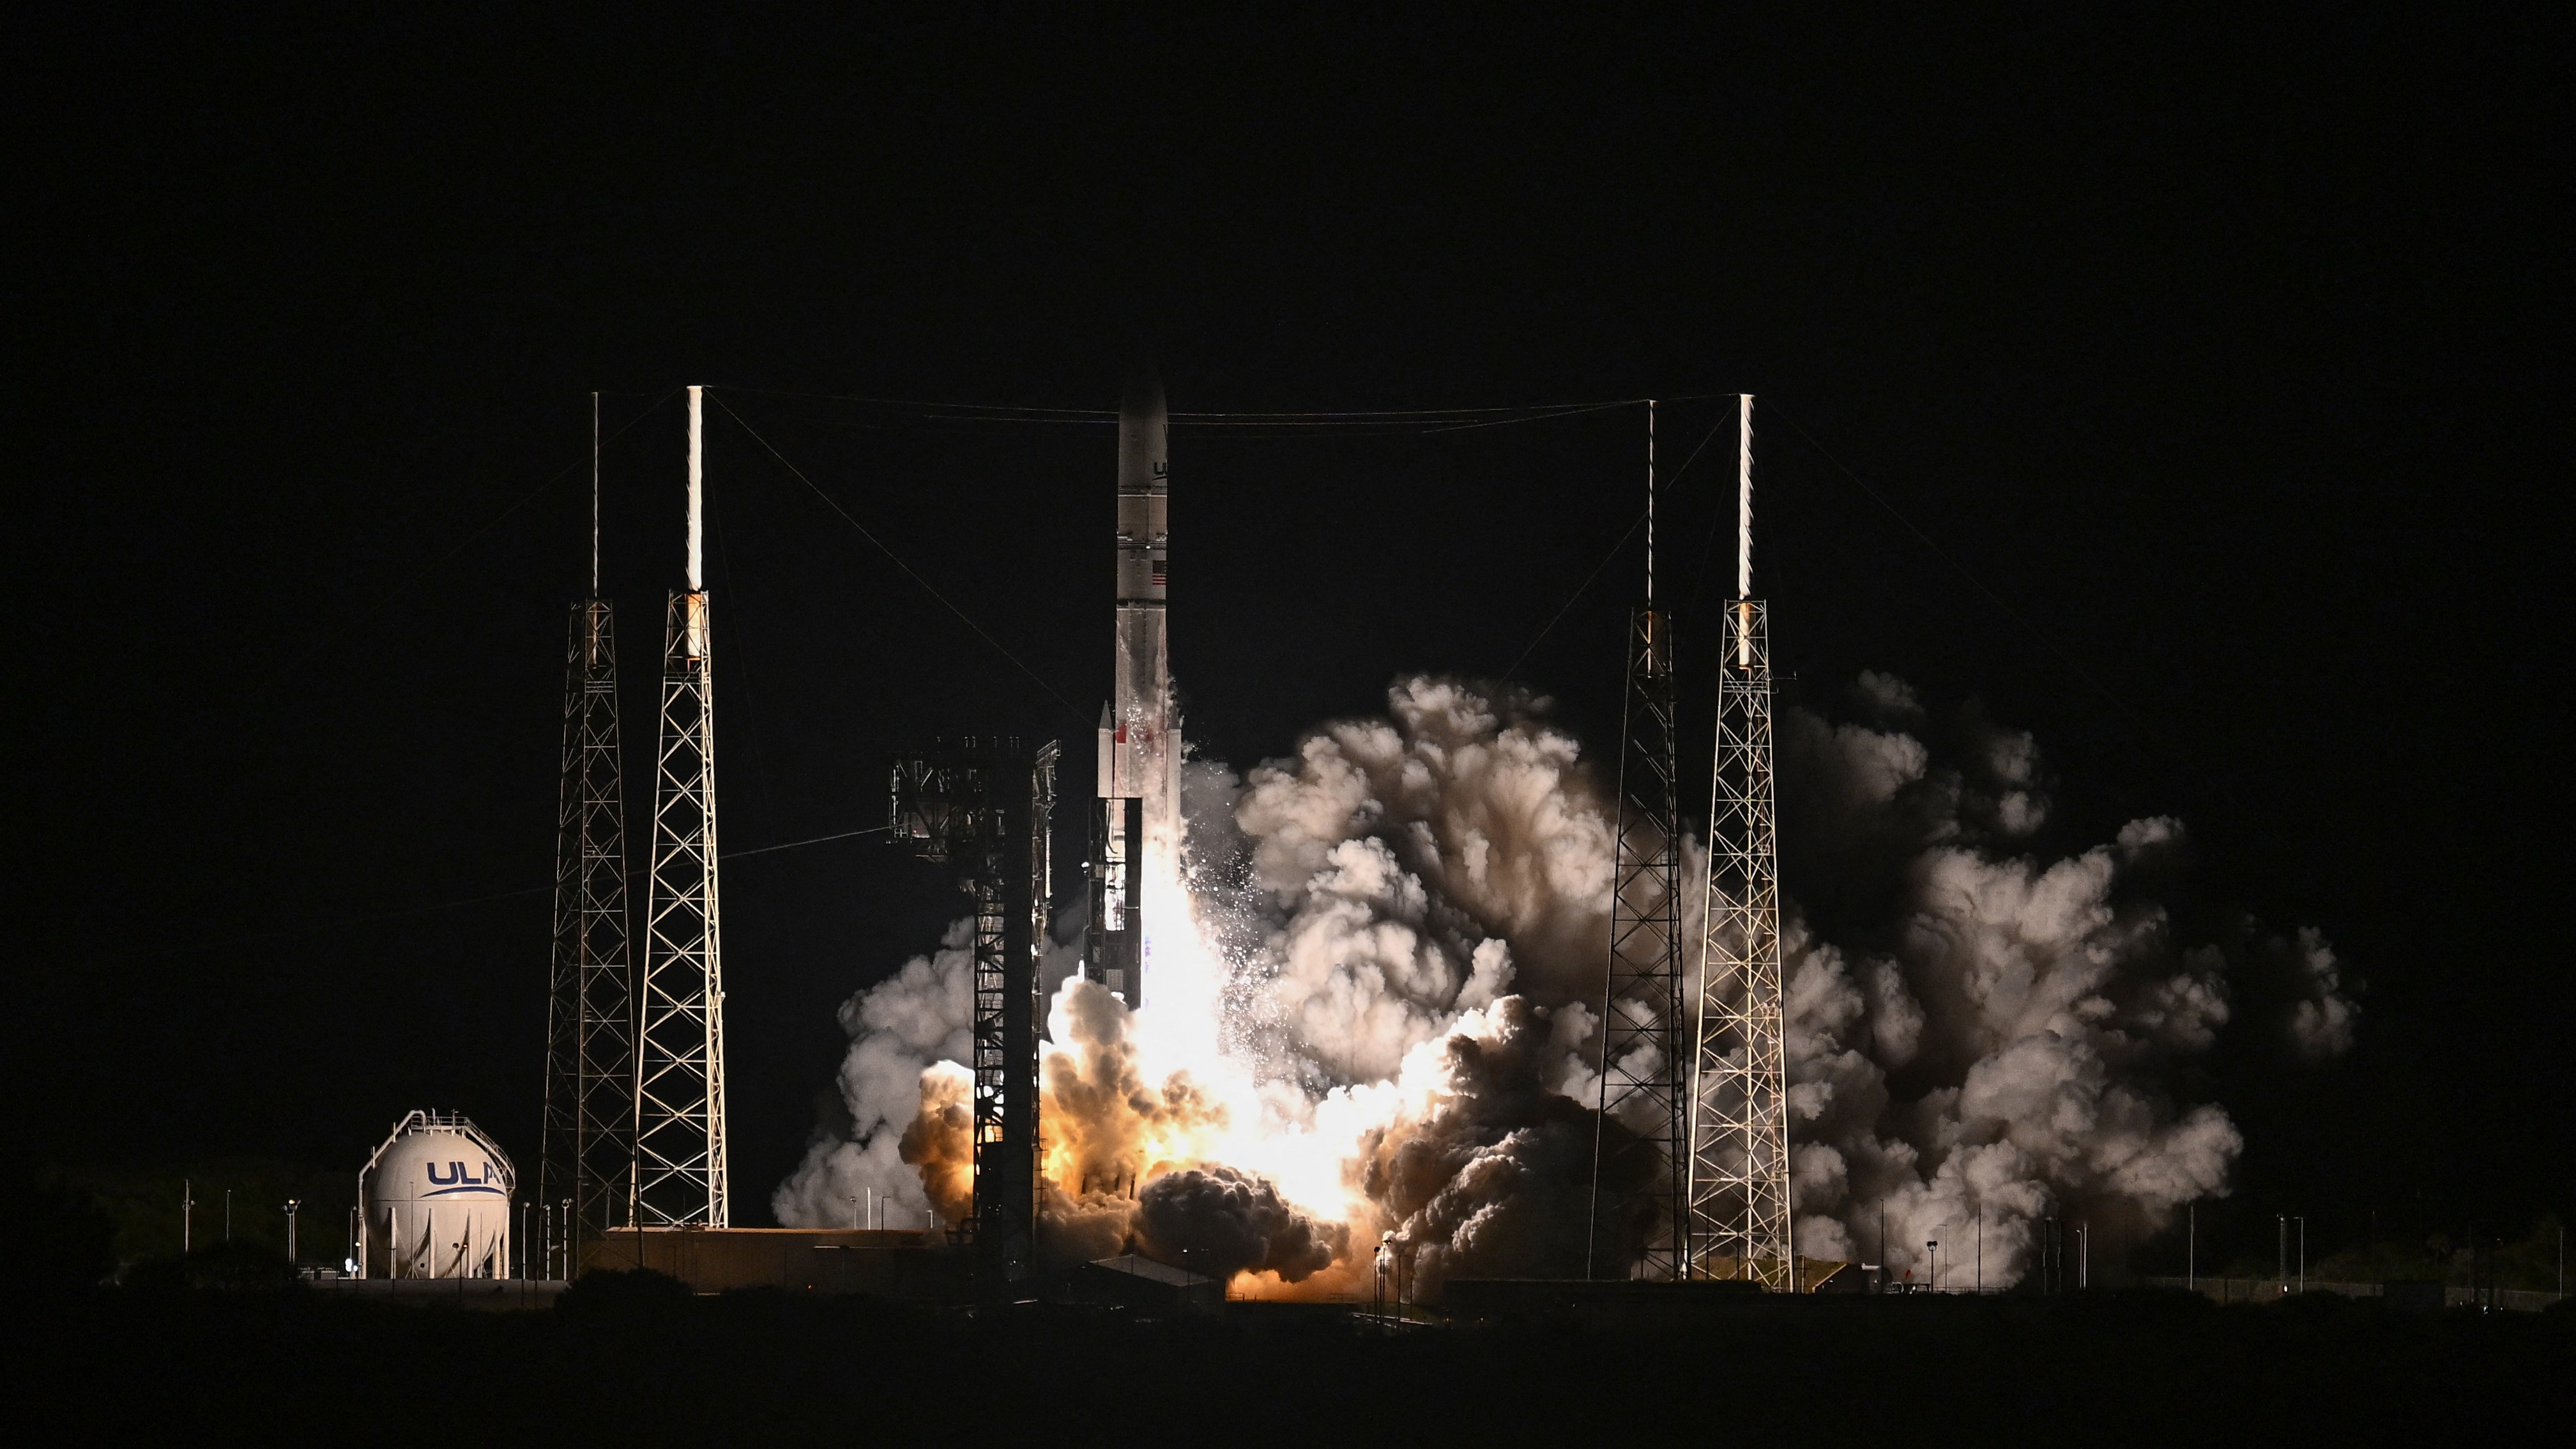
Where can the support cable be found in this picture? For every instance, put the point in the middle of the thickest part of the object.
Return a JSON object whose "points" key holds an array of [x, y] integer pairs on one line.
{"points": [[909, 571], [1588, 580], [495, 521], [1579, 591], [1963, 571], [313, 926], [1424, 420]]}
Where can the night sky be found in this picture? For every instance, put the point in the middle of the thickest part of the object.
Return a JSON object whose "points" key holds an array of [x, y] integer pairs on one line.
{"points": [[2213, 376]]}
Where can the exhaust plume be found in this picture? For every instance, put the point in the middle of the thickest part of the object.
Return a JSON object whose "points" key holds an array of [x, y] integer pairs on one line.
{"points": [[1378, 966]]}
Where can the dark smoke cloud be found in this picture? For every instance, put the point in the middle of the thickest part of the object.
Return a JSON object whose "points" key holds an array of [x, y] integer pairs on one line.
{"points": [[1494, 1180], [1218, 1221]]}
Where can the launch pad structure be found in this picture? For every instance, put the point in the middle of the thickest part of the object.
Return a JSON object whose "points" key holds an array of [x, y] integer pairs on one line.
{"points": [[1690, 1167], [635, 1141], [987, 805]]}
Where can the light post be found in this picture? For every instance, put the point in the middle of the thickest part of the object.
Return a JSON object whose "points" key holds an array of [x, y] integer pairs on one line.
{"points": [[2191, 1247], [2281, 1252], [228, 1215], [567, 1239], [291, 1205], [2303, 1255], [1400, 1256], [1385, 1262], [1981, 1249], [187, 1217], [1933, 1246]]}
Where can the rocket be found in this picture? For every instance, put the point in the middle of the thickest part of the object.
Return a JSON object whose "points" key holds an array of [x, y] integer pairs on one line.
{"points": [[1139, 792]]}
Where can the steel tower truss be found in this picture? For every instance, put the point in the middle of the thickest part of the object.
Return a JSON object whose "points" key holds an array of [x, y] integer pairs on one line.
{"points": [[679, 1080], [988, 805], [1637, 1192], [588, 1155], [1739, 1160]]}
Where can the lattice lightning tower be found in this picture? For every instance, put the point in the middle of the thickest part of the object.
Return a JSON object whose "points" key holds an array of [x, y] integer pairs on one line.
{"points": [[588, 1154], [679, 1080], [1638, 1201], [1739, 1160]]}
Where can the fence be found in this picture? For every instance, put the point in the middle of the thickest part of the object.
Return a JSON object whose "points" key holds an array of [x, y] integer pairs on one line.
{"points": [[2266, 1290]]}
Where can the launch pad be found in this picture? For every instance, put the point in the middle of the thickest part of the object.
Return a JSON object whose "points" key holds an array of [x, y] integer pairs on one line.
{"points": [[1691, 1184], [898, 1265]]}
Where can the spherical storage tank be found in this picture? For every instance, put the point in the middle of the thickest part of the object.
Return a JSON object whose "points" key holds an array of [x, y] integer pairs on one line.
{"points": [[437, 1199]]}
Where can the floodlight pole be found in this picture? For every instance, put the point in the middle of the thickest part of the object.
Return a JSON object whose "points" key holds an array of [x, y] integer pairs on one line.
{"points": [[187, 1217]]}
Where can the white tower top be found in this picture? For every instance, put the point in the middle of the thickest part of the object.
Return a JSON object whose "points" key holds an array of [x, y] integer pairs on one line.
{"points": [[697, 511], [1744, 499], [1650, 503]]}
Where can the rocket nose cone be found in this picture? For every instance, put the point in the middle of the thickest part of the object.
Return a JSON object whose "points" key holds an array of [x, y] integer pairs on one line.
{"points": [[1143, 399]]}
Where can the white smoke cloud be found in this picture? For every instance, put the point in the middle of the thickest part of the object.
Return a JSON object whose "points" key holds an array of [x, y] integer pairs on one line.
{"points": [[2322, 1022], [898, 1029], [1997, 1036], [1403, 924], [1421, 866]]}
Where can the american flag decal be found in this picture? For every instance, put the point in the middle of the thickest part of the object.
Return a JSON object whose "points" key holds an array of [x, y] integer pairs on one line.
{"points": [[1159, 567]]}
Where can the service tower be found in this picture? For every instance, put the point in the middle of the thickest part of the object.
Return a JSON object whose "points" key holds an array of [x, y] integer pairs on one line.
{"points": [[1139, 741]]}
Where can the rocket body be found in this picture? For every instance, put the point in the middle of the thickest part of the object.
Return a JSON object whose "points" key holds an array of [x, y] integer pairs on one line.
{"points": [[1139, 791], [1140, 705]]}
